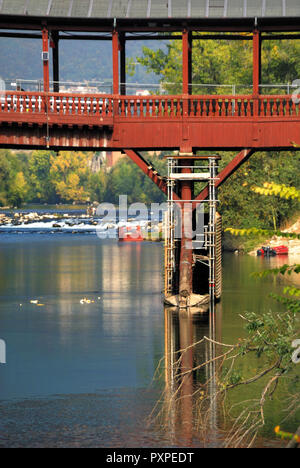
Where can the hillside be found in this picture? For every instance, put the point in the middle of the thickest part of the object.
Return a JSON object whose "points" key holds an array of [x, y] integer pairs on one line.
{"points": [[79, 61]]}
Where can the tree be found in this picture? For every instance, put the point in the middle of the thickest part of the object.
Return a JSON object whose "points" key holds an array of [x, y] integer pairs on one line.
{"points": [[5, 170], [224, 63], [18, 190], [42, 187], [127, 179], [96, 186], [69, 174], [13, 183]]}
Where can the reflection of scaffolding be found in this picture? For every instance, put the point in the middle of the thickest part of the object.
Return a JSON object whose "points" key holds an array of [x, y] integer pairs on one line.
{"points": [[170, 265], [204, 237]]}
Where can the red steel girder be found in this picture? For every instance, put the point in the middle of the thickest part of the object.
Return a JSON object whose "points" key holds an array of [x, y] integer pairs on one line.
{"points": [[148, 169], [234, 164]]}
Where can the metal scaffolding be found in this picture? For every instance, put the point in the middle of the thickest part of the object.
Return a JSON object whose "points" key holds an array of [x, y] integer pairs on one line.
{"points": [[205, 239]]}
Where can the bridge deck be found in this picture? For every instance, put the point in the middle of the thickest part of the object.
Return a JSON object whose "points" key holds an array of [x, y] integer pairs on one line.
{"points": [[183, 121]]}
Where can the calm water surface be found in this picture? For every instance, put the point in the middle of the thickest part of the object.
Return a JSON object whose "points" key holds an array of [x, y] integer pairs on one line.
{"points": [[81, 375]]}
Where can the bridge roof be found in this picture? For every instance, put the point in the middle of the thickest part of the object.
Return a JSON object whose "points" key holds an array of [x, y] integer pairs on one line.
{"points": [[144, 9], [97, 15]]}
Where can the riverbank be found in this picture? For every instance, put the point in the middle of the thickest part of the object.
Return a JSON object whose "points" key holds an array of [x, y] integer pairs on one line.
{"points": [[250, 244], [292, 244]]}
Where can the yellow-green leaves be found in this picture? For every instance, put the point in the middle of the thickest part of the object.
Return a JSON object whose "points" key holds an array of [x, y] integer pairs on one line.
{"points": [[279, 190]]}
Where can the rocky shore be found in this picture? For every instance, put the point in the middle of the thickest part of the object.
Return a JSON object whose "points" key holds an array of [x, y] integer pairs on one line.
{"points": [[27, 222], [25, 219]]}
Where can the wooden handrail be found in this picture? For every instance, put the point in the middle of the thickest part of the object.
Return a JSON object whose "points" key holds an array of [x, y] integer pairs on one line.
{"points": [[150, 106]]}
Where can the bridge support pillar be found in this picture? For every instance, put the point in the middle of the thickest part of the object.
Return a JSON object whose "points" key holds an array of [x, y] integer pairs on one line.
{"points": [[186, 252]]}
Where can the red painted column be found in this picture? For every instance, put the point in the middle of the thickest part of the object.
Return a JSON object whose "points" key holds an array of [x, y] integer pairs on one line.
{"points": [[186, 252], [186, 69], [186, 61], [115, 58], [256, 67], [45, 57]]}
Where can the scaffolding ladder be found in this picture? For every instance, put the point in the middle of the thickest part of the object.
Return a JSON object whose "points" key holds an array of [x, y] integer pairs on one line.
{"points": [[211, 234], [170, 265]]}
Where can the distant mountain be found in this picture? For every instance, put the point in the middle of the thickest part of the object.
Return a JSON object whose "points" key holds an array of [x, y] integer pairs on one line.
{"points": [[79, 60]]}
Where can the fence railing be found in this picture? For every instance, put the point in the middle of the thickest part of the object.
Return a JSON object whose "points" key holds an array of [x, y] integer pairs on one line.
{"points": [[148, 107], [161, 89], [56, 103]]}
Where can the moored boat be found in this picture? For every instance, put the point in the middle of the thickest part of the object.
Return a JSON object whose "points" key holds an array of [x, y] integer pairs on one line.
{"points": [[130, 234], [272, 251]]}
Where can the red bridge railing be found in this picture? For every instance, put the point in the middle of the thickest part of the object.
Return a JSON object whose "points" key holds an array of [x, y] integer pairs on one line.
{"points": [[94, 109]]}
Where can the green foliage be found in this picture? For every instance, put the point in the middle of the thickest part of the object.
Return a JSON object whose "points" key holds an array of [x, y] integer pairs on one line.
{"points": [[225, 62], [18, 190], [69, 173], [47, 177], [271, 335], [127, 179], [284, 269], [242, 208], [13, 178], [261, 232], [292, 302], [42, 187], [279, 190]]}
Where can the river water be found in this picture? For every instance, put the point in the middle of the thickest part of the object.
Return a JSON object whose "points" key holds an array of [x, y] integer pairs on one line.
{"points": [[84, 374]]}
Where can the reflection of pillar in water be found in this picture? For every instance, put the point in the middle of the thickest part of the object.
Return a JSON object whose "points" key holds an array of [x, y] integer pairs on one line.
{"points": [[186, 390], [181, 332], [170, 371], [212, 388]]}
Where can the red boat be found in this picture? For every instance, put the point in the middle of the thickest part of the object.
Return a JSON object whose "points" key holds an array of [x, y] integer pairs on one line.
{"points": [[130, 234], [272, 251]]}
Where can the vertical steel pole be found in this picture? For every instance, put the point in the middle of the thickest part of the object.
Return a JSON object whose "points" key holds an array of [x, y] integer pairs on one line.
{"points": [[55, 58], [123, 63]]}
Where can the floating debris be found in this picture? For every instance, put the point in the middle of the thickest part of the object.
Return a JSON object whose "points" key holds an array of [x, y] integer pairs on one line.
{"points": [[86, 301], [36, 302]]}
